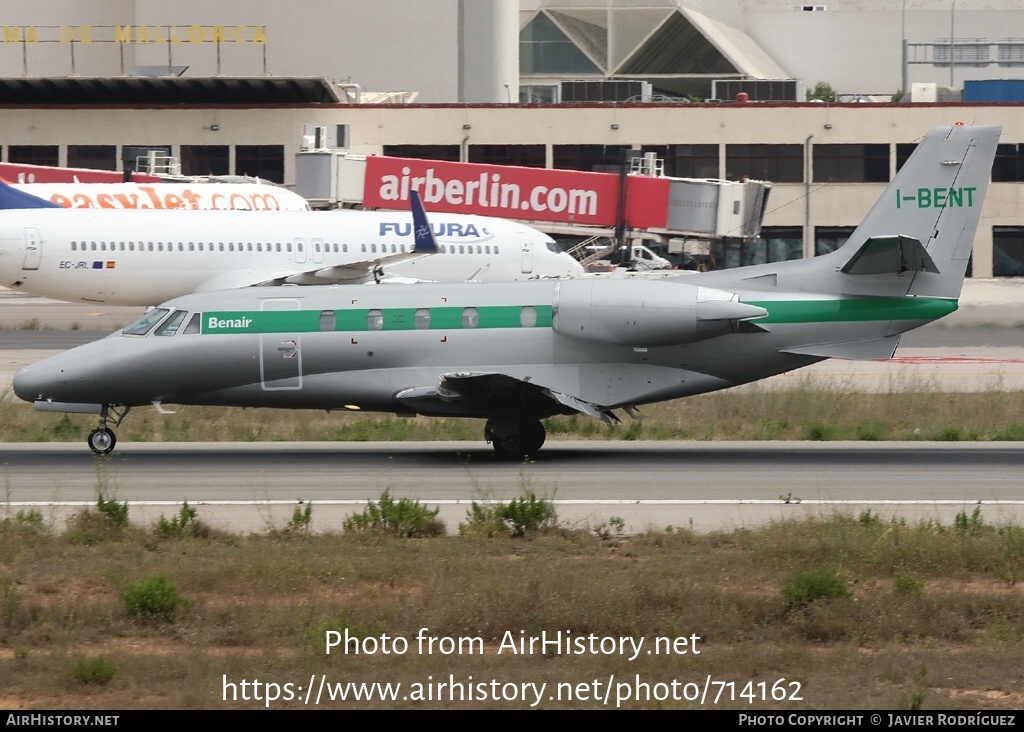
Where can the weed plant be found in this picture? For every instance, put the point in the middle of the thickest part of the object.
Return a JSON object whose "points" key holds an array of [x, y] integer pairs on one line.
{"points": [[403, 518]]}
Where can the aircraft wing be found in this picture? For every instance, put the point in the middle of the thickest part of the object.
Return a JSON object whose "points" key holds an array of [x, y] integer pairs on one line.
{"points": [[349, 273], [484, 393]]}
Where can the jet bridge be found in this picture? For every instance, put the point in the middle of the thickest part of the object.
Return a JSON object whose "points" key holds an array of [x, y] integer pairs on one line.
{"points": [[674, 212]]}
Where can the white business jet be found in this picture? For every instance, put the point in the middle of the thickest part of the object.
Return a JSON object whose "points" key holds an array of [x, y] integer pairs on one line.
{"points": [[138, 257]]}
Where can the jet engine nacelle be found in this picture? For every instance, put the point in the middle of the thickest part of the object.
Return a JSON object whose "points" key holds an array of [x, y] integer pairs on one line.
{"points": [[641, 313]]}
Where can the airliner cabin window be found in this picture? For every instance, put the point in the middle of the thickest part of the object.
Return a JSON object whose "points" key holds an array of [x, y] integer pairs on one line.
{"points": [[74, 247], [328, 320], [375, 320], [528, 316], [470, 318], [170, 326], [144, 324], [422, 319]]}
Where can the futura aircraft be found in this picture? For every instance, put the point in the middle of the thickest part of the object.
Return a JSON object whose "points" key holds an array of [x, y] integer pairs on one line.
{"points": [[517, 353], [139, 257]]}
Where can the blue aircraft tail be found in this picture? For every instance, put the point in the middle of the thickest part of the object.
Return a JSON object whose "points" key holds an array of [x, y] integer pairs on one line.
{"points": [[12, 198], [422, 235]]}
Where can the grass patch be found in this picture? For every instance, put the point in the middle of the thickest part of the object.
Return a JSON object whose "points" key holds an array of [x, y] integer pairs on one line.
{"points": [[801, 413], [154, 598], [764, 603], [404, 518]]}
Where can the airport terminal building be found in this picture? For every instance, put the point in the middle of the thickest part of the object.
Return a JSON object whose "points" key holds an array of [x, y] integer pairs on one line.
{"points": [[564, 85]]}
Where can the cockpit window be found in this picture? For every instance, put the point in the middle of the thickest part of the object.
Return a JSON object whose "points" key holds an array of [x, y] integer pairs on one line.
{"points": [[170, 326], [553, 247], [143, 325], [194, 324]]}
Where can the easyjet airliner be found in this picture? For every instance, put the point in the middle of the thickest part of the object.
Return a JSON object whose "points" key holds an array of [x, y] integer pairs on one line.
{"points": [[138, 257]]}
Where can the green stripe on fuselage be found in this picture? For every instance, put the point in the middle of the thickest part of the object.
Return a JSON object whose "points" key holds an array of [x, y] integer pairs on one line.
{"points": [[855, 309], [357, 320]]}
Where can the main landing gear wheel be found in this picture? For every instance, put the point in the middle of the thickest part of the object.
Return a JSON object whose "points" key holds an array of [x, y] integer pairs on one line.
{"points": [[515, 438], [102, 440]]}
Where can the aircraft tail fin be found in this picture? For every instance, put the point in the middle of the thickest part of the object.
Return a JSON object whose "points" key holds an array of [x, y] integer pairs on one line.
{"points": [[918, 237], [12, 199], [423, 236]]}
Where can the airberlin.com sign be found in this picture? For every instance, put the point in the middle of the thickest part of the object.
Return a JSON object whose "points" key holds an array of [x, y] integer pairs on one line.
{"points": [[533, 194]]}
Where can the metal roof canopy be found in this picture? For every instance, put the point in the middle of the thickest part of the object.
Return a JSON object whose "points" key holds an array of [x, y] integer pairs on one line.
{"points": [[166, 90]]}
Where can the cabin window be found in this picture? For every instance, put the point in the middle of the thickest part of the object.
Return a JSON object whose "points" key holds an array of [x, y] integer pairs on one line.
{"points": [[344, 248], [144, 324], [131, 246], [289, 246], [373, 248], [159, 246], [375, 320], [194, 326], [422, 319], [191, 246], [248, 247], [92, 246], [121, 246], [528, 316], [462, 249], [328, 320], [364, 248], [495, 248], [470, 318], [181, 247], [231, 246], [487, 249], [170, 326], [220, 246], [298, 246], [74, 247]]}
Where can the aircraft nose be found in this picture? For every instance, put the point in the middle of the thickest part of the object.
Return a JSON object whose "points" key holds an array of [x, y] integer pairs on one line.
{"points": [[29, 383]]}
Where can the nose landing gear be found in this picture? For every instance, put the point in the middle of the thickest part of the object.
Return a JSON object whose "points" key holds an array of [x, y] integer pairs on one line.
{"points": [[102, 439]]}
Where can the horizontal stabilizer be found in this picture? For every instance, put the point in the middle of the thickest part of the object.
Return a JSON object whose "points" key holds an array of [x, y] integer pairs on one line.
{"points": [[890, 254], [868, 350]]}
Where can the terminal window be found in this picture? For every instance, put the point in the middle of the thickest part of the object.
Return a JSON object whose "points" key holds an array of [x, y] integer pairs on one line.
{"points": [[529, 156], [1008, 251], [776, 163], [423, 152], [851, 163], [264, 161], [94, 157], [33, 154], [594, 158], [205, 160], [687, 161]]}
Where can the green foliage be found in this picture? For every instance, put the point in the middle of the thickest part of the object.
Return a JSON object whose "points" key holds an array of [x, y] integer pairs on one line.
{"points": [[820, 431], [116, 513], [97, 671], [521, 516], [404, 517], [804, 588], [913, 700], [904, 584], [971, 525], [615, 525], [155, 598], [183, 526], [31, 521], [301, 519], [898, 96], [822, 91]]}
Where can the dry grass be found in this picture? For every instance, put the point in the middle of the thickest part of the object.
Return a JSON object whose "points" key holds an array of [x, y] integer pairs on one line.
{"points": [[935, 617]]}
